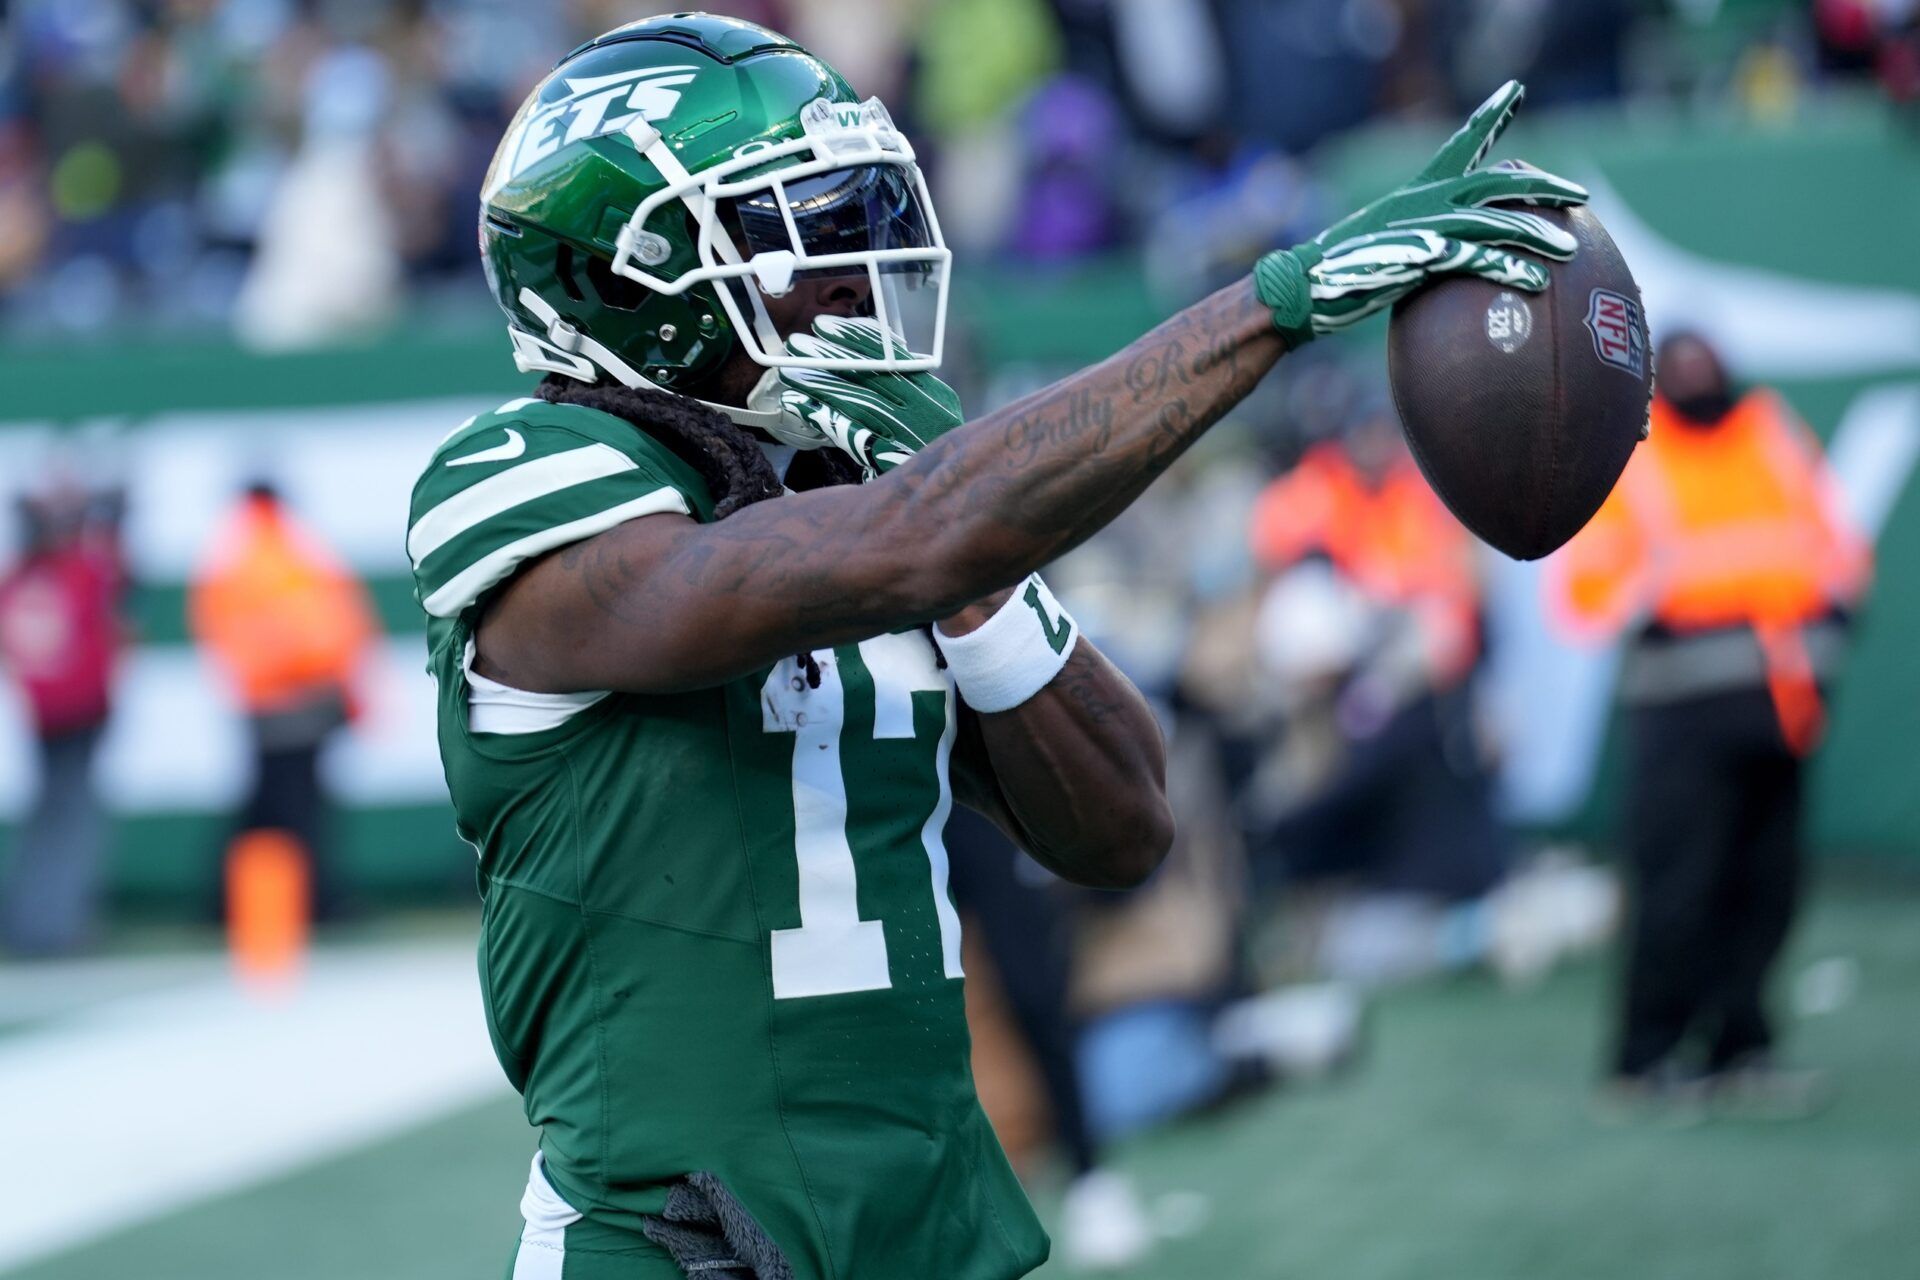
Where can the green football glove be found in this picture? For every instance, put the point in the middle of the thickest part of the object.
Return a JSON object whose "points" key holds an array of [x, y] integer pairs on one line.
{"points": [[879, 419], [1437, 225]]}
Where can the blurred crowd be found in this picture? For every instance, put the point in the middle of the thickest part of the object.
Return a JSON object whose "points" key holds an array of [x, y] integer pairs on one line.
{"points": [[304, 168]]}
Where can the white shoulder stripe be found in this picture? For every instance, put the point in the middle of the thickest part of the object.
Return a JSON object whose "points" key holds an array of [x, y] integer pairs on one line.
{"points": [[470, 583], [510, 488]]}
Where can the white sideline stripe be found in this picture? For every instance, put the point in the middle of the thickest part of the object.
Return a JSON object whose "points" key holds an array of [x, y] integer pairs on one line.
{"points": [[510, 488], [347, 470], [177, 743], [463, 588], [31, 992], [137, 1107]]}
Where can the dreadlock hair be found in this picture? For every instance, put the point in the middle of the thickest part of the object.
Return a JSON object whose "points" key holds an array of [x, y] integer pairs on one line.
{"points": [[736, 472]]}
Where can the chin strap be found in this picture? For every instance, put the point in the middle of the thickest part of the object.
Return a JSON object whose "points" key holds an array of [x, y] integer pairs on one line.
{"points": [[566, 350]]}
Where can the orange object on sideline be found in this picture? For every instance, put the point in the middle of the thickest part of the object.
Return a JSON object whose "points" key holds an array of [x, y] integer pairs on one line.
{"points": [[282, 614], [1793, 686], [1732, 525], [1391, 537], [269, 904]]}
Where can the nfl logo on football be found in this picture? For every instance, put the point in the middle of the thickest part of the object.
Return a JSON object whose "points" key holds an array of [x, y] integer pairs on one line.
{"points": [[1618, 336]]}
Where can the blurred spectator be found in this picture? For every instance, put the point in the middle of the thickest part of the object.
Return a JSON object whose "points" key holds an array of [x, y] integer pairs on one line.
{"points": [[1228, 214], [60, 636], [1068, 207], [1171, 1022], [1566, 51], [1174, 1019], [1362, 504], [1877, 36], [978, 60], [1724, 555], [194, 161], [328, 263], [1370, 630], [1342, 695], [1302, 69], [290, 625], [864, 40], [1174, 1023], [24, 224], [1164, 59], [1161, 980]]}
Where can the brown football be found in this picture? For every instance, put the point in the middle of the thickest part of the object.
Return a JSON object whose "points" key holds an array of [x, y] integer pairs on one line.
{"points": [[1522, 409]]}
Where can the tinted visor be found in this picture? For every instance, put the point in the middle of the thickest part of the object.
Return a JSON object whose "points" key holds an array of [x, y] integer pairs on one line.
{"points": [[863, 210], [859, 210]]}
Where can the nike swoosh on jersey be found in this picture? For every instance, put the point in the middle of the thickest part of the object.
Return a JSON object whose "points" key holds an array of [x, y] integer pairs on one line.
{"points": [[515, 446]]}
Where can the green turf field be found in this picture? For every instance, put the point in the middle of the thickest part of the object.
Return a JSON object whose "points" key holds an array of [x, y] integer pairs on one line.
{"points": [[1462, 1149]]}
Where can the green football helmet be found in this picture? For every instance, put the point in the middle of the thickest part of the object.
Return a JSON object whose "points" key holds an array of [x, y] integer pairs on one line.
{"points": [[668, 178]]}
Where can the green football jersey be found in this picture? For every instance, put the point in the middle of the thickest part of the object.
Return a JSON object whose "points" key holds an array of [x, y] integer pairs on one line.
{"points": [[716, 932]]}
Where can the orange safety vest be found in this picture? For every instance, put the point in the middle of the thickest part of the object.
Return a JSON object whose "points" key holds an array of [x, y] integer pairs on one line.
{"points": [[279, 612], [1733, 526], [1393, 540]]}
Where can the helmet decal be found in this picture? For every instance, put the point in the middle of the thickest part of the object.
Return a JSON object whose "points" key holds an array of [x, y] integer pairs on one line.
{"points": [[591, 107]]}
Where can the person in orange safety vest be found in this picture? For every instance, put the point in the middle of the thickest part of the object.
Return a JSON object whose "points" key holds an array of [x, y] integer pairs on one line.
{"points": [[1724, 556], [1363, 504], [1408, 806], [290, 626]]}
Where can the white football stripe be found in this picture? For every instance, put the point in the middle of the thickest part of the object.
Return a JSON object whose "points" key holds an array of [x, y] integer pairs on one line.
{"points": [[510, 488]]}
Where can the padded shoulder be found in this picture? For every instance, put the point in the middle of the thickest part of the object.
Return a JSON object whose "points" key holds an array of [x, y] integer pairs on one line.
{"points": [[525, 479]]}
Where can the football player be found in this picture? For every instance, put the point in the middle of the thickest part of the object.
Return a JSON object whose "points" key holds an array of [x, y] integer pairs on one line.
{"points": [[729, 613]]}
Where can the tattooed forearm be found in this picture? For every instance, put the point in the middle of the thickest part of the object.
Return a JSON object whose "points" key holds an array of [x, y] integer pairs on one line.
{"points": [[664, 603], [1075, 454]]}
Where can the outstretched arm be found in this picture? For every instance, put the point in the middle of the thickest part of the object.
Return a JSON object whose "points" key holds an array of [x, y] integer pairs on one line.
{"points": [[662, 603]]}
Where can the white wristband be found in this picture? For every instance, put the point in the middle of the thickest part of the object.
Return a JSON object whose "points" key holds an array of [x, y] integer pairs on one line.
{"points": [[1012, 655]]}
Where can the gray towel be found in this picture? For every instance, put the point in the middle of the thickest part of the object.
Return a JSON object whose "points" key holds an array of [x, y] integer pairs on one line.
{"points": [[711, 1236]]}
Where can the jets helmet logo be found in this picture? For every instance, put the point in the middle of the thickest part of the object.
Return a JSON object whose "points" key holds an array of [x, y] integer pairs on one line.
{"points": [[590, 107]]}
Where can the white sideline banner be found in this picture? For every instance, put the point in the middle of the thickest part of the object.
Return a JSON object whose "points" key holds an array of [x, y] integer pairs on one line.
{"points": [[178, 743]]}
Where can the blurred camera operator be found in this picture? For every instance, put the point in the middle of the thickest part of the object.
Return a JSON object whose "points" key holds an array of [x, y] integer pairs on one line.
{"points": [[1369, 633]]}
